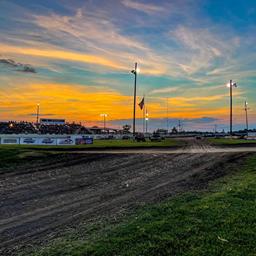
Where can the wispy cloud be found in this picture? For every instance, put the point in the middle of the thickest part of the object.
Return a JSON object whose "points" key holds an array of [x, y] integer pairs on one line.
{"points": [[164, 90], [95, 34], [62, 55], [147, 8], [89, 27], [204, 47]]}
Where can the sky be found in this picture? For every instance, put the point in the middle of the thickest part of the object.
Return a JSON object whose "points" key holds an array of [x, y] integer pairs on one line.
{"points": [[75, 58]]}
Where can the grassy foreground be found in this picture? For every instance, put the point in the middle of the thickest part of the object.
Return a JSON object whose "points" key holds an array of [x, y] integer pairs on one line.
{"points": [[13, 155], [220, 221]]}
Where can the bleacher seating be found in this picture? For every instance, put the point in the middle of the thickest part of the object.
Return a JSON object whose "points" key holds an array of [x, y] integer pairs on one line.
{"points": [[31, 128]]}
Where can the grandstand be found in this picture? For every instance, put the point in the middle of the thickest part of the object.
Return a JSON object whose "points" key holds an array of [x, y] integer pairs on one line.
{"points": [[13, 127]]}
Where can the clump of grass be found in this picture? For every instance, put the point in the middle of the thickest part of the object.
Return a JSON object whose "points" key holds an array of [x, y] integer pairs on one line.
{"points": [[11, 156]]}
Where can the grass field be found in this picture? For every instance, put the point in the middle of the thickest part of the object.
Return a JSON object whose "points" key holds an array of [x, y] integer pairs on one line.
{"points": [[103, 144], [220, 221], [227, 141], [14, 154]]}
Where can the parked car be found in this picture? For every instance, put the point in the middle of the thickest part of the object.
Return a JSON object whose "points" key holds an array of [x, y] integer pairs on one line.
{"points": [[125, 137], [140, 137], [156, 137]]}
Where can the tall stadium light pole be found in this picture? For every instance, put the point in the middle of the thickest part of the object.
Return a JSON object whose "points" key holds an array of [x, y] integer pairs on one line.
{"points": [[144, 113], [246, 115], [167, 114], [104, 120], [37, 112], [231, 85], [134, 96], [146, 120], [215, 130]]}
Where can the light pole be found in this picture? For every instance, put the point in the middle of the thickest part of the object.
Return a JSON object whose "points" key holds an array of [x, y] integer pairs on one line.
{"points": [[231, 85], [215, 129], [167, 114], [144, 114], [146, 119], [246, 115], [134, 96], [37, 112], [104, 120]]}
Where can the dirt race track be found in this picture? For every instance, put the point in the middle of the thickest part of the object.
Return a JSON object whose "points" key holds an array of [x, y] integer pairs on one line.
{"points": [[40, 201]]}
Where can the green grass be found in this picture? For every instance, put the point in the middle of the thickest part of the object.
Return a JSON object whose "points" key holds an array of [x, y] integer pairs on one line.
{"points": [[103, 144], [227, 141], [220, 221], [11, 156]]}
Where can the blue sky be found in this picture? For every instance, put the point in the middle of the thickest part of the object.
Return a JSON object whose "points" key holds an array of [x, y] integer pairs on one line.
{"points": [[82, 53]]}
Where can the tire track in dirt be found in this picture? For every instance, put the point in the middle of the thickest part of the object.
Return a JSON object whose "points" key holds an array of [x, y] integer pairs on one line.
{"points": [[45, 203]]}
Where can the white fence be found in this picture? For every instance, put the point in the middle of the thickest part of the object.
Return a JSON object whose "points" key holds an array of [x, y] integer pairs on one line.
{"points": [[34, 139], [251, 136], [61, 140]]}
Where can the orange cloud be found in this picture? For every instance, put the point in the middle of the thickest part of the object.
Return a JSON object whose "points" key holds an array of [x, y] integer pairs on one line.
{"points": [[62, 55], [85, 103], [67, 55]]}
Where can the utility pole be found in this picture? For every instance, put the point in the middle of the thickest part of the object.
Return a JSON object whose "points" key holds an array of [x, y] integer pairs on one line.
{"points": [[37, 113], [179, 127], [215, 129], [134, 97], [104, 120]]}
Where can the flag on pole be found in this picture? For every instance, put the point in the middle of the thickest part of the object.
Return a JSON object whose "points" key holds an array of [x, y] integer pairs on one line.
{"points": [[141, 104]]}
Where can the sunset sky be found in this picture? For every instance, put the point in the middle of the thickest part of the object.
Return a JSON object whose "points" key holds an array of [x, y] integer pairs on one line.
{"points": [[75, 57]]}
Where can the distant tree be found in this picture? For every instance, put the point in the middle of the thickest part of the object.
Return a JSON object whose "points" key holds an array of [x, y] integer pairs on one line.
{"points": [[174, 130], [126, 128]]}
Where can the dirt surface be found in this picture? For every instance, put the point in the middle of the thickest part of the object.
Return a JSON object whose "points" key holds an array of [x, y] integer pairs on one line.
{"points": [[41, 200]]}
